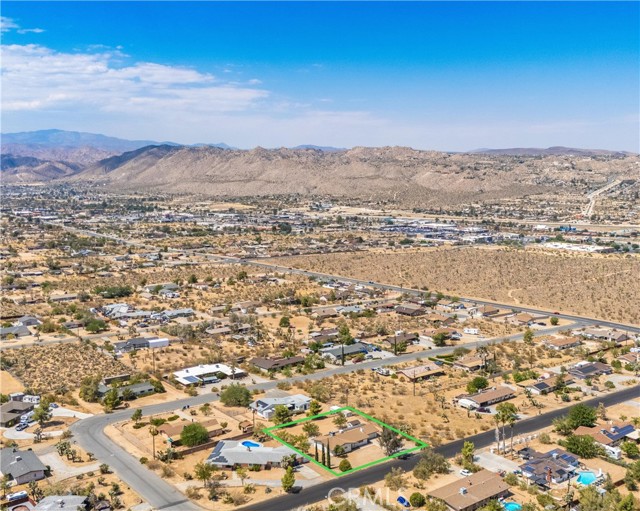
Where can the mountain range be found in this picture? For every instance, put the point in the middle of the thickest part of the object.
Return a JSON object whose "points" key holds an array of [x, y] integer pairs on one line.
{"points": [[398, 175]]}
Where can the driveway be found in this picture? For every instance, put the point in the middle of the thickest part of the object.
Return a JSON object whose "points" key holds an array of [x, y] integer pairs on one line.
{"points": [[495, 462], [63, 471], [14, 434], [66, 412]]}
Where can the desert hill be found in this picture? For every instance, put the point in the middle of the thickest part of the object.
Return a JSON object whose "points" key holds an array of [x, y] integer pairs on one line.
{"points": [[399, 174]]}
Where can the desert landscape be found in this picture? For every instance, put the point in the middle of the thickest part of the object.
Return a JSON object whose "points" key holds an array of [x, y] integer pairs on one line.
{"points": [[595, 286]]}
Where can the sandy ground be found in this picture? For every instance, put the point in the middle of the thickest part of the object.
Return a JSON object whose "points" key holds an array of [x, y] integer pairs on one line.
{"points": [[592, 285], [9, 384]]}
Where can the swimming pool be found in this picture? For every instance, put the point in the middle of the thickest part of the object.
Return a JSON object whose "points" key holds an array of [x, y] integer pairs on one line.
{"points": [[586, 478], [512, 506], [249, 443]]}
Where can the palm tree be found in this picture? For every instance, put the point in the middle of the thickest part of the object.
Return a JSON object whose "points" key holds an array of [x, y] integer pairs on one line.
{"points": [[4, 484], [153, 431]]}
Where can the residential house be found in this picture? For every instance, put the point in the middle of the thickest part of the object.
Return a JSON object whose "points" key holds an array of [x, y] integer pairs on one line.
{"points": [[207, 373], [178, 313], [469, 363], [610, 435], [439, 319], [544, 469], [14, 332], [67, 297], [28, 321], [350, 438], [21, 466], [487, 311], [325, 313], [422, 372], [472, 492], [410, 309], [135, 389], [486, 397], [157, 288], [273, 364], [524, 318], [607, 334], [63, 503], [629, 358], [562, 343], [139, 343], [335, 354], [546, 383], [11, 411], [449, 333], [585, 370], [449, 305], [402, 338], [232, 454], [266, 407]]}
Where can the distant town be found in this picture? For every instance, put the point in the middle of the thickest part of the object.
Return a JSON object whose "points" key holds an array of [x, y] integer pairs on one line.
{"points": [[159, 352]]}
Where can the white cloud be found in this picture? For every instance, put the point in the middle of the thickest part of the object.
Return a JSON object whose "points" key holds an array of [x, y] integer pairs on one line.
{"points": [[9, 24], [38, 78]]}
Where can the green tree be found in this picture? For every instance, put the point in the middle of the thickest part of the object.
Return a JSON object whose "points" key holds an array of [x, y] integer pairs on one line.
{"points": [[493, 505], [314, 408], [4, 484], [136, 416], [111, 400], [554, 320], [582, 415], [395, 479], [281, 414], [582, 445], [417, 499], [242, 474], [192, 279], [235, 395], [390, 441], [430, 463], [194, 434], [42, 414], [439, 339], [630, 449], [340, 420], [285, 322], [288, 480], [344, 465], [311, 429], [478, 383], [95, 325], [527, 337], [468, 452]]}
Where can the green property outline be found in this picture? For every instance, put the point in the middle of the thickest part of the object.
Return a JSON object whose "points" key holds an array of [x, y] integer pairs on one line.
{"points": [[419, 443]]}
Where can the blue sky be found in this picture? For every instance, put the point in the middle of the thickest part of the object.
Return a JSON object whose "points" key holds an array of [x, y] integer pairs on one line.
{"points": [[446, 76]]}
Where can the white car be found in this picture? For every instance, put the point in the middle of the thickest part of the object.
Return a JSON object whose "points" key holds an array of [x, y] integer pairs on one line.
{"points": [[465, 472]]}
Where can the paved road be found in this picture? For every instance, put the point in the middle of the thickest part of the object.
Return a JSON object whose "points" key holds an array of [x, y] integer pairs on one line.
{"points": [[90, 432], [161, 495], [377, 472]]}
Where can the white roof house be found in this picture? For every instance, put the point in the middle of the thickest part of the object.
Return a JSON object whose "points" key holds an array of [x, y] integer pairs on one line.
{"points": [[231, 453], [265, 407], [203, 373]]}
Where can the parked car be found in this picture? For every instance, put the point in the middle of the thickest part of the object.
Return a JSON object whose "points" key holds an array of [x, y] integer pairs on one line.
{"points": [[465, 472], [53, 405], [21, 426], [403, 502], [483, 409]]}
